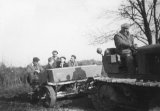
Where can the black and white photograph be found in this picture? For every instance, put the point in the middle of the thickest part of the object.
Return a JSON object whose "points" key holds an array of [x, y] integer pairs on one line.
{"points": [[79, 55]]}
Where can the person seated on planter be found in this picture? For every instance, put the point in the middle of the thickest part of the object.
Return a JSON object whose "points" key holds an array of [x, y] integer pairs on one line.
{"points": [[48, 73], [55, 58], [33, 71], [62, 62], [50, 63], [72, 62]]}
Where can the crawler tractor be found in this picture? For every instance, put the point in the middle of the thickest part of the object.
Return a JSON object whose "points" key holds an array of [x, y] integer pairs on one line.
{"points": [[139, 91]]}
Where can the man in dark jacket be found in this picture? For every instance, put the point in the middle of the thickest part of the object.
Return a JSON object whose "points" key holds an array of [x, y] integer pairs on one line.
{"points": [[124, 43], [73, 62], [62, 62], [33, 70], [55, 58], [50, 63], [48, 73], [123, 40]]}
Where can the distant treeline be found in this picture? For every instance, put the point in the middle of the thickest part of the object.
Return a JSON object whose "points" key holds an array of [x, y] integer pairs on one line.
{"points": [[13, 76], [89, 62]]}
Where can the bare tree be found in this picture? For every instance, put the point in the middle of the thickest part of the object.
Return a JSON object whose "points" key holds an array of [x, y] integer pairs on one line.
{"points": [[144, 15], [101, 36]]}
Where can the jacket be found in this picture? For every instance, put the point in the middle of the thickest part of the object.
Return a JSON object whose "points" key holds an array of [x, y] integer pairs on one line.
{"points": [[56, 62], [72, 64], [123, 42], [32, 76], [31, 68]]}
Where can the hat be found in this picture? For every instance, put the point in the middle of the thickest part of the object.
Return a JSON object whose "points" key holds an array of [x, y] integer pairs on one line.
{"points": [[125, 25], [55, 51], [63, 57], [36, 59], [73, 56]]}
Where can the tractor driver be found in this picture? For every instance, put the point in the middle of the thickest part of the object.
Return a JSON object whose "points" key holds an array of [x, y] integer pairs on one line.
{"points": [[125, 46]]}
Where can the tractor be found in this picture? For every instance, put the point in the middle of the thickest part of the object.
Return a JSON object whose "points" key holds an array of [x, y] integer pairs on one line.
{"points": [[117, 88]]}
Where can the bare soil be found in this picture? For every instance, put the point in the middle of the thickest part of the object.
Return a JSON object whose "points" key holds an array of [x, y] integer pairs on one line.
{"points": [[74, 104], [15, 100]]}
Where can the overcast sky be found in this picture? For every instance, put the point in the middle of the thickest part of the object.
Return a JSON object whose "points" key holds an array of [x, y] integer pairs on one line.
{"points": [[30, 28]]}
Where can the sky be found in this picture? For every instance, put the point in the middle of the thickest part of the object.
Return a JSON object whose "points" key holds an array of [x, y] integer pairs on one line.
{"points": [[34, 28]]}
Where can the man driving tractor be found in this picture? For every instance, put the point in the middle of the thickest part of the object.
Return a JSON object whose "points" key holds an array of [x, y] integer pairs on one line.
{"points": [[124, 43]]}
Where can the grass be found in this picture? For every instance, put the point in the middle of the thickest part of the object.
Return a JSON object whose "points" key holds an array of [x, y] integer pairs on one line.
{"points": [[15, 99]]}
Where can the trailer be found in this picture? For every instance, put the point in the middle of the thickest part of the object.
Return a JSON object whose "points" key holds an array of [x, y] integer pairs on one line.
{"points": [[65, 82]]}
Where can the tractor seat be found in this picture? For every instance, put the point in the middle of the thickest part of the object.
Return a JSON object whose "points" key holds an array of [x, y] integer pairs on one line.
{"points": [[113, 58], [112, 55]]}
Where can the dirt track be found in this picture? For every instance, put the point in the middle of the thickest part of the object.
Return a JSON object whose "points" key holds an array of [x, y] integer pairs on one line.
{"points": [[15, 99], [73, 104]]}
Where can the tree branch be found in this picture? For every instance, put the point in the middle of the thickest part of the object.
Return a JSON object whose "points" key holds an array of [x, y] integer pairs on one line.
{"points": [[138, 38], [137, 23], [140, 6], [133, 4], [150, 16], [150, 9], [155, 20]]}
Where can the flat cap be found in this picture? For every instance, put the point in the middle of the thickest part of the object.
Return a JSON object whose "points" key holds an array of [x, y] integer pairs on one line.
{"points": [[63, 57], [73, 56], [125, 25], [55, 51], [36, 59]]}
